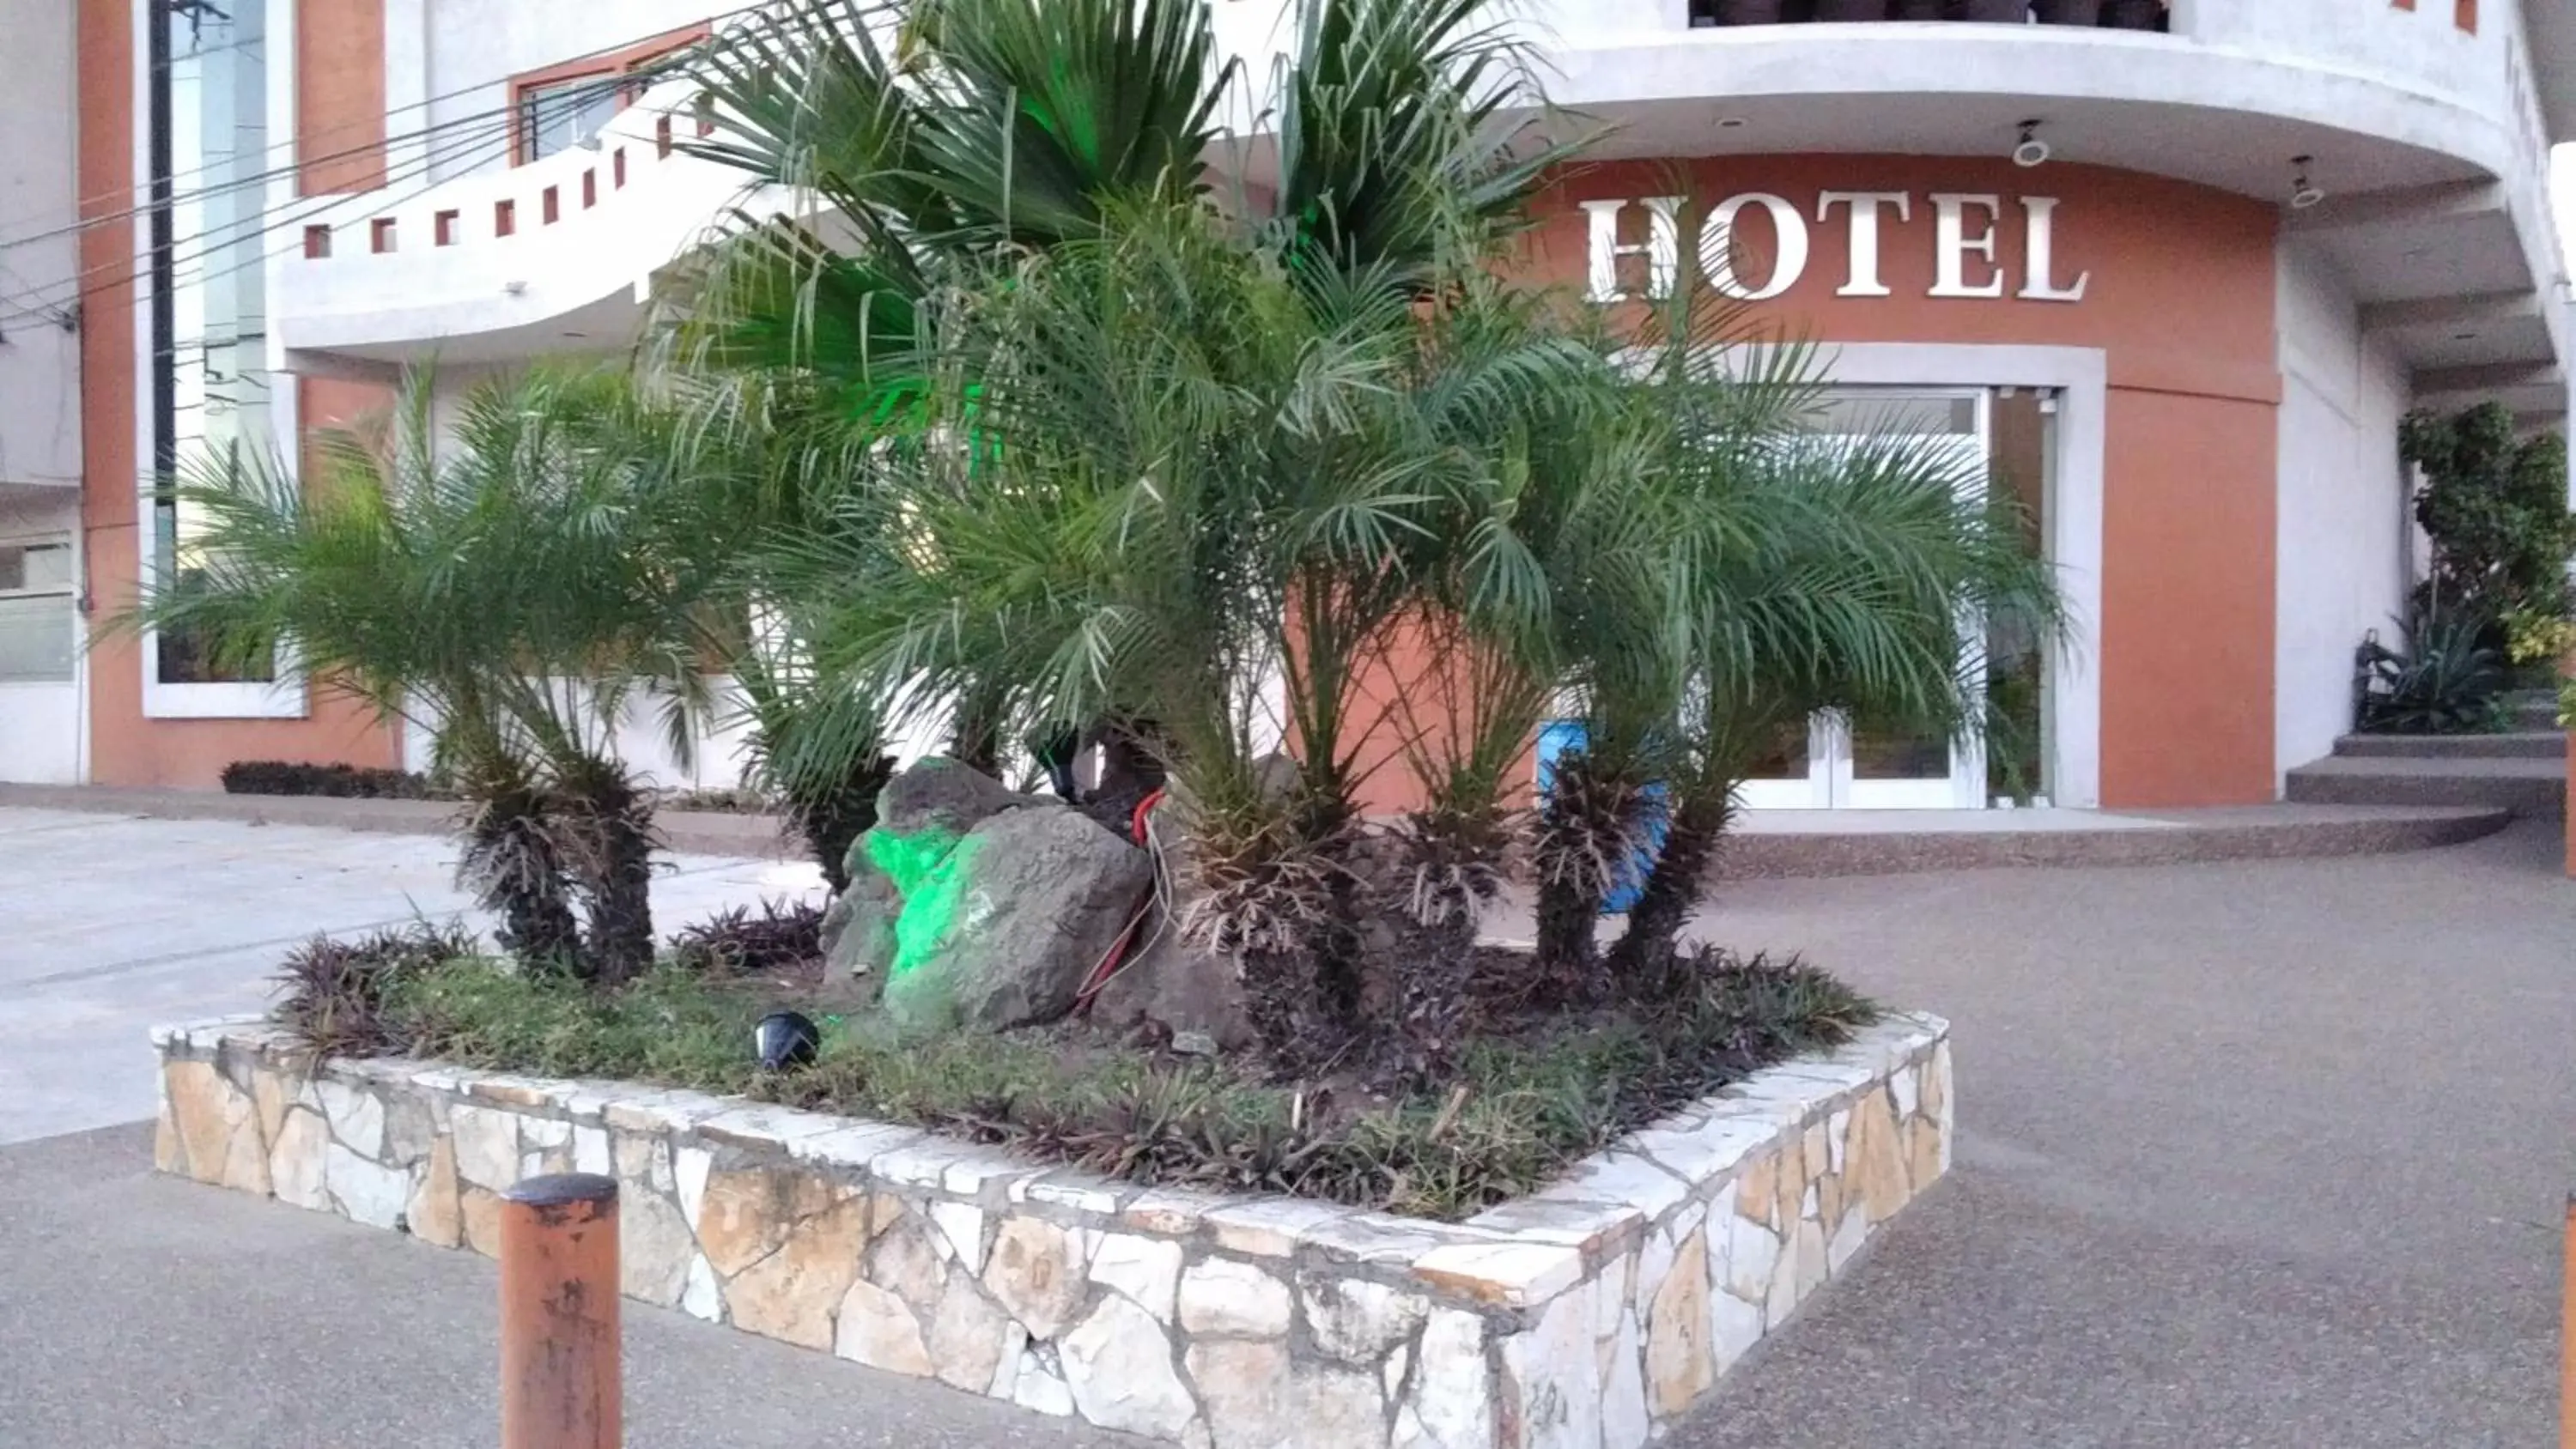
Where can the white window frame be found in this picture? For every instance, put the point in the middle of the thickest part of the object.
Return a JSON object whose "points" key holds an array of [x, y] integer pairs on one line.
{"points": [[285, 696], [69, 593]]}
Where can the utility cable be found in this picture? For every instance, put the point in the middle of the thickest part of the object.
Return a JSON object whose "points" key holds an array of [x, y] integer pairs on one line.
{"points": [[653, 67]]}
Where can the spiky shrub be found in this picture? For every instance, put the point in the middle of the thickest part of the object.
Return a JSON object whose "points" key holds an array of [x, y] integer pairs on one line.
{"points": [[781, 936], [2443, 679], [335, 995], [815, 748], [1787, 569]]}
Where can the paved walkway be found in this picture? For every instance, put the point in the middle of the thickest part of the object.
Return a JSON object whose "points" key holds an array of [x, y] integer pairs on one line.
{"points": [[111, 925], [2264, 1154]]}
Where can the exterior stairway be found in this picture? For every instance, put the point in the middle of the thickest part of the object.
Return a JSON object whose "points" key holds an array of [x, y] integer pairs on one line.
{"points": [[2524, 771]]}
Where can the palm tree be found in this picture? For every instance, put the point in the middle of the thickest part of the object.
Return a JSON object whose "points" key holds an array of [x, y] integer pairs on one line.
{"points": [[1784, 571], [1114, 443], [513, 587]]}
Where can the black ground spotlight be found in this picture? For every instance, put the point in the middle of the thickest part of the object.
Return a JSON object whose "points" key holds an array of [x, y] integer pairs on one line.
{"points": [[785, 1039]]}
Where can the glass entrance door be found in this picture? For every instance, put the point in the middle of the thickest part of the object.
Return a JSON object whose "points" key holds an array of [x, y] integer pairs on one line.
{"points": [[1839, 763]]}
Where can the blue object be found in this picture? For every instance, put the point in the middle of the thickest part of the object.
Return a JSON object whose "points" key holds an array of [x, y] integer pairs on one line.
{"points": [[1557, 736]]}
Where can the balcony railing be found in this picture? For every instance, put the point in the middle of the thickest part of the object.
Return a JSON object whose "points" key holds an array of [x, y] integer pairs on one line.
{"points": [[2101, 14]]}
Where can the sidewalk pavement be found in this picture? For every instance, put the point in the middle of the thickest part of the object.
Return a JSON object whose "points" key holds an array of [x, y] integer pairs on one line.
{"points": [[111, 925]]}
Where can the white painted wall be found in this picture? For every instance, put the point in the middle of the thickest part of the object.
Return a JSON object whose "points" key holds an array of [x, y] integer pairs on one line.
{"points": [[40, 452], [2342, 533], [39, 353], [40, 723]]}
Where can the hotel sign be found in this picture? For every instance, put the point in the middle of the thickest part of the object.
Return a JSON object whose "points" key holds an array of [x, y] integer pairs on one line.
{"points": [[1965, 260]]}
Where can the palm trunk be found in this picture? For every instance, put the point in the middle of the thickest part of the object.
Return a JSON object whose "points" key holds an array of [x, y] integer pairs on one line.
{"points": [[610, 824], [1441, 883], [1569, 957], [513, 862], [1673, 886], [1279, 993], [621, 901], [1587, 833], [832, 819]]}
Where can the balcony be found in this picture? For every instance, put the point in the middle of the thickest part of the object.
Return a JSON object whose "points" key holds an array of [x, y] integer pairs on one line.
{"points": [[558, 255], [2091, 14]]}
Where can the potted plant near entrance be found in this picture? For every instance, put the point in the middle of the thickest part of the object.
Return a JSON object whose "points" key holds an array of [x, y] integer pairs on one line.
{"points": [[2070, 12], [2134, 14]]}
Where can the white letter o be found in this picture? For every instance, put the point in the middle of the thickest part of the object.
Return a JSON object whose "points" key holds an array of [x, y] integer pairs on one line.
{"points": [[1717, 247]]}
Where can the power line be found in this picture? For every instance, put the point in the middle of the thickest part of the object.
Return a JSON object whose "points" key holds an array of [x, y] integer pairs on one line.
{"points": [[471, 149], [671, 60]]}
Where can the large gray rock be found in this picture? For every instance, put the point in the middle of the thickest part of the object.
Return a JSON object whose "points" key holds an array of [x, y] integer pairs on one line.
{"points": [[921, 815], [1014, 917], [1175, 983], [1182, 988], [938, 793], [858, 930]]}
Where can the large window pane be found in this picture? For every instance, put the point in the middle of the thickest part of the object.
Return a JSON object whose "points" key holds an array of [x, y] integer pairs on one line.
{"points": [[2017, 756], [212, 242]]}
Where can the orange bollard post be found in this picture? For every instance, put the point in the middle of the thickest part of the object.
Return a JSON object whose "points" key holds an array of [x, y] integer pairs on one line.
{"points": [[2567, 1332], [559, 1324]]}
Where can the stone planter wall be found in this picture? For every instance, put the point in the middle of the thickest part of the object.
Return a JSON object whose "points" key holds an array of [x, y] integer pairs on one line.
{"points": [[1587, 1315]]}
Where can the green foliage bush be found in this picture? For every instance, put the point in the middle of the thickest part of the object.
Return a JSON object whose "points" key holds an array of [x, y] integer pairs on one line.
{"points": [[2494, 506], [291, 777], [1519, 1105]]}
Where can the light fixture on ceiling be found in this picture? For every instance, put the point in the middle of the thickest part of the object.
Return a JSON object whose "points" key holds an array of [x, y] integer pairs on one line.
{"points": [[515, 288], [2464, 337], [2032, 151], [1731, 123], [2303, 192]]}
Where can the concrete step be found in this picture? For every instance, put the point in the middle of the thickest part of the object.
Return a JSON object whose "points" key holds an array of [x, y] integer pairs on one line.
{"points": [[2524, 786], [2521, 745]]}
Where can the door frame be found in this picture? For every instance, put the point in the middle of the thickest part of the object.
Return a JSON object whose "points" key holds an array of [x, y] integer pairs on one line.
{"points": [[2080, 376], [1831, 781]]}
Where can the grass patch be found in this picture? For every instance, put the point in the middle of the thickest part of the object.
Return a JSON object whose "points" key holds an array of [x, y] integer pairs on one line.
{"points": [[1522, 1105]]}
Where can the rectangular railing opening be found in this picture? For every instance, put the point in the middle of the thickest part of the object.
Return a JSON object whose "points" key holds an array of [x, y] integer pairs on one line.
{"points": [[2149, 15]]}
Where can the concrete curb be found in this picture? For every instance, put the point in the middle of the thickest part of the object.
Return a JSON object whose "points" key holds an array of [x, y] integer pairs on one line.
{"points": [[2257, 832], [696, 832]]}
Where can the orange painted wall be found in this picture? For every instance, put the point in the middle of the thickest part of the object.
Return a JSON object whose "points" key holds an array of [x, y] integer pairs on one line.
{"points": [[340, 96], [2181, 301], [125, 747]]}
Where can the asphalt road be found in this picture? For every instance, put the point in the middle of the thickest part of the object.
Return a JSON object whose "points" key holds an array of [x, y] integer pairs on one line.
{"points": [[147, 1313], [2269, 1154]]}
